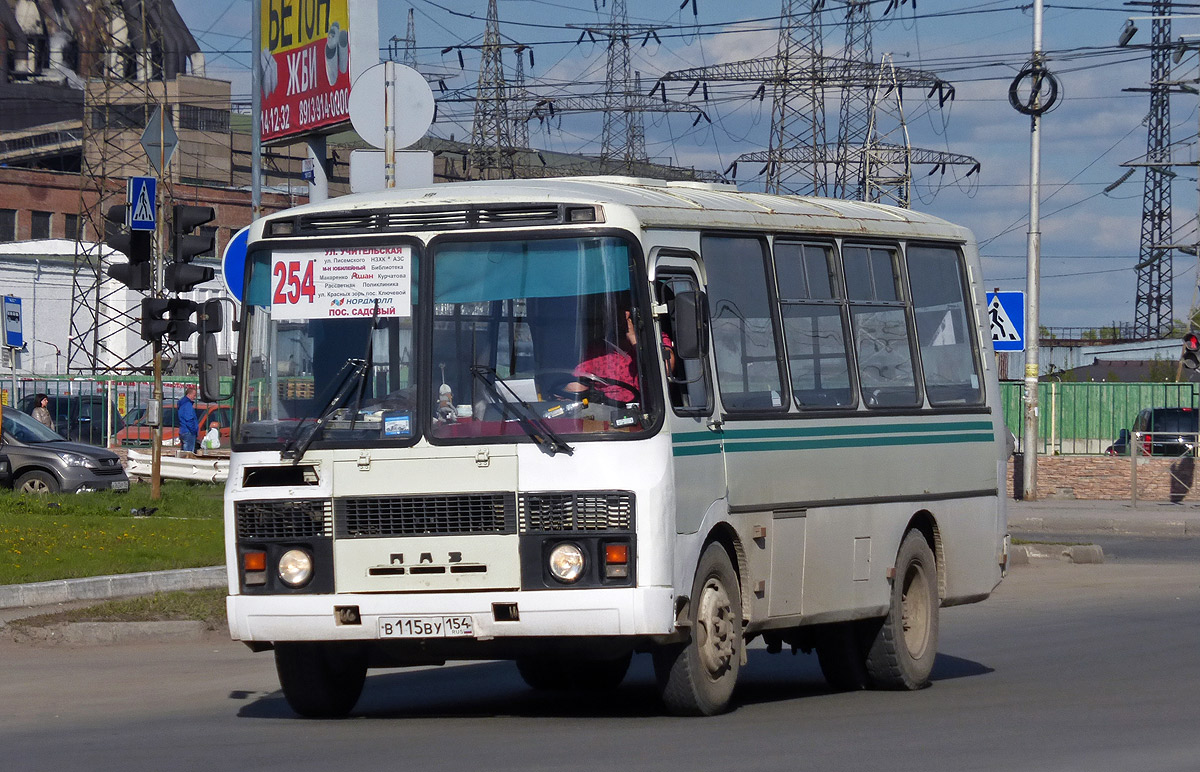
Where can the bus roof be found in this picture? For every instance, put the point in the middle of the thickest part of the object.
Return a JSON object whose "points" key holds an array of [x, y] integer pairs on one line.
{"points": [[652, 203]]}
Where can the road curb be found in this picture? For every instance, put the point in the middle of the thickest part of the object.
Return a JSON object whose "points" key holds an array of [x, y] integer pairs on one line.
{"points": [[105, 587], [109, 633], [1185, 528], [1022, 554]]}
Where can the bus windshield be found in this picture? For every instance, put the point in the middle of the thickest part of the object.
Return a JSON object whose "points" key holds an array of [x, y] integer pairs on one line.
{"points": [[547, 327], [525, 339]]}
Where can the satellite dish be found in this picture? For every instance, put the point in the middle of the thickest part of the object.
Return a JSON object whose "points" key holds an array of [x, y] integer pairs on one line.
{"points": [[412, 110]]}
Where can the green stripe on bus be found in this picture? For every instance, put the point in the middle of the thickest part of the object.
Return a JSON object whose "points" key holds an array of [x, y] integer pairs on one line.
{"points": [[858, 442], [749, 445], [826, 431], [698, 450], [823, 431]]}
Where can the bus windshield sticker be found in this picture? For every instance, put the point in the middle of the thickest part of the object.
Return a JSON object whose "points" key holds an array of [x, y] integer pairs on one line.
{"points": [[341, 283], [397, 425]]}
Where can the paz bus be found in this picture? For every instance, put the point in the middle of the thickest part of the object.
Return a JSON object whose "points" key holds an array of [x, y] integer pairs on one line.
{"points": [[565, 421]]}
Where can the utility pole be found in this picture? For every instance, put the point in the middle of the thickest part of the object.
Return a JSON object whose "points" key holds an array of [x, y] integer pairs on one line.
{"points": [[1033, 270]]}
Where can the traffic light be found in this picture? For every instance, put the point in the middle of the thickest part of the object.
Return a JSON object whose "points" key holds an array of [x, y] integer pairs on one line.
{"points": [[1191, 350], [138, 273], [154, 323], [180, 275], [208, 316], [179, 313]]}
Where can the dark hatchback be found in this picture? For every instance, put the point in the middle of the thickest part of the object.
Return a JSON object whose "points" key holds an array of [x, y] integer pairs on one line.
{"points": [[41, 461], [1165, 431], [79, 417]]}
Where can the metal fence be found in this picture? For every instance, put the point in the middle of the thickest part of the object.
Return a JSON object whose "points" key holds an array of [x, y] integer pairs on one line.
{"points": [[95, 409], [1086, 418]]}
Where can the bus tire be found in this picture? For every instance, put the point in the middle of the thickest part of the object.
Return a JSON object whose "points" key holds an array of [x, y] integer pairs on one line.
{"points": [[841, 654], [321, 679], [903, 650], [697, 678], [583, 675]]}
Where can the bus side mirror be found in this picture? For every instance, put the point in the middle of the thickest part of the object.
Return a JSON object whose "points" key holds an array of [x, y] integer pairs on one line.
{"points": [[208, 353], [691, 324]]}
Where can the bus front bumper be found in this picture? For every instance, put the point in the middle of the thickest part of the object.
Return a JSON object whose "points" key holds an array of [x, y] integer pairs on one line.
{"points": [[641, 611]]}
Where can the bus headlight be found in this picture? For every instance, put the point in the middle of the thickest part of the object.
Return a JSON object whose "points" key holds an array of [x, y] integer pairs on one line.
{"points": [[566, 562], [295, 568]]}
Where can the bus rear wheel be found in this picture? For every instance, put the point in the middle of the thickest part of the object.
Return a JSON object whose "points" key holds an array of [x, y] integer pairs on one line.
{"points": [[574, 674], [321, 679], [902, 652], [697, 678]]}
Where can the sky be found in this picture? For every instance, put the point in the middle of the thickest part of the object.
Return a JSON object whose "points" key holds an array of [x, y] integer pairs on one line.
{"points": [[1090, 237]]}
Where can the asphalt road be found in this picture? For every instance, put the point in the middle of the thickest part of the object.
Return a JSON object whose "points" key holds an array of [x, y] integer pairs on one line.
{"points": [[1066, 667]]}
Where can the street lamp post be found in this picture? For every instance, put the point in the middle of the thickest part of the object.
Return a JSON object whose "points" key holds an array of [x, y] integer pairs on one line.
{"points": [[57, 352]]}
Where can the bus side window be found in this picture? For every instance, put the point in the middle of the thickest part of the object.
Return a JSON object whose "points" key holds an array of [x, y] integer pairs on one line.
{"points": [[878, 318], [948, 355], [687, 380], [814, 325], [750, 372]]}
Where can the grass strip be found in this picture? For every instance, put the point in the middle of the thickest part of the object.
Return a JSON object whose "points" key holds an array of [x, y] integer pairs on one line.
{"points": [[70, 536]]}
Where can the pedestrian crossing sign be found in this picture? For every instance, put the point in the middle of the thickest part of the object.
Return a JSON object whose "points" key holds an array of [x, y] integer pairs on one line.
{"points": [[1006, 315], [140, 202]]}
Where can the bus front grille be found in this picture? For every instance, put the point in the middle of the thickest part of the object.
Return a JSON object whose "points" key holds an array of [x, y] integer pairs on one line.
{"points": [[439, 515], [280, 519], [576, 511]]}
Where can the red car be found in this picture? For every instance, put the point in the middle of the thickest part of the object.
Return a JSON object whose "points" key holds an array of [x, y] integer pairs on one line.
{"points": [[139, 434]]}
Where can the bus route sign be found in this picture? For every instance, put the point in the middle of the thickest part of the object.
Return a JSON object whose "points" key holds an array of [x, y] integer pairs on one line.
{"points": [[341, 283]]}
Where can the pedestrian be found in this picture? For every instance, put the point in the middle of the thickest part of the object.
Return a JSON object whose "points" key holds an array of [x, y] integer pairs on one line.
{"points": [[41, 411], [189, 424], [212, 440]]}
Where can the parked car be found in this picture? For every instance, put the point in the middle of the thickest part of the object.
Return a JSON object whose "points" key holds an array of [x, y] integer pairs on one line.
{"points": [[42, 461], [78, 417], [1165, 431], [138, 433]]}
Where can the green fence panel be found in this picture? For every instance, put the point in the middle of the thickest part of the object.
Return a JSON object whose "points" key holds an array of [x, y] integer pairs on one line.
{"points": [[1085, 418]]}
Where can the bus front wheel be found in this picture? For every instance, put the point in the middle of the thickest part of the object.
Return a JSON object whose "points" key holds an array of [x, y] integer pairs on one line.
{"points": [[321, 679], [697, 678], [902, 652]]}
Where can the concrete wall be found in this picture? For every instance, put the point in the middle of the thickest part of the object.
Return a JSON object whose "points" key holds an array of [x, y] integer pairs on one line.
{"points": [[1108, 477]]}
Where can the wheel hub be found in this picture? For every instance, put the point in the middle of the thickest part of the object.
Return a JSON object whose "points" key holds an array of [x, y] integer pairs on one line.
{"points": [[716, 629], [915, 610]]}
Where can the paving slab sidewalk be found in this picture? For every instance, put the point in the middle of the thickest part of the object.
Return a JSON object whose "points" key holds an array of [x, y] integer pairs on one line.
{"points": [[1077, 516]]}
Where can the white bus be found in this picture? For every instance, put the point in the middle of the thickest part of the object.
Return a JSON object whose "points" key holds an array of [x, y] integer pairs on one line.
{"points": [[565, 421]]}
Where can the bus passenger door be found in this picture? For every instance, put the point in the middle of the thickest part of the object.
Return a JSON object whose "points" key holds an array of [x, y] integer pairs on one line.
{"points": [[695, 440]]}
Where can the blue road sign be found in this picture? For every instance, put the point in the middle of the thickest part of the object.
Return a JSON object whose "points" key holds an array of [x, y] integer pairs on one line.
{"points": [[1006, 313], [233, 263], [13, 336], [141, 202]]}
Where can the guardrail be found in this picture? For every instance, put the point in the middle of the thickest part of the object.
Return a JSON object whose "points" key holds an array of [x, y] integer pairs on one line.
{"points": [[194, 468]]}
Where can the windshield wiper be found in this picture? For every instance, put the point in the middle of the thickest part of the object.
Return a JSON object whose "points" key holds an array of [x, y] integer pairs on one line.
{"points": [[352, 367], [543, 436], [348, 378]]}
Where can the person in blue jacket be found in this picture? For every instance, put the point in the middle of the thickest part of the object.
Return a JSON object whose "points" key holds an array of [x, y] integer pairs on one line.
{"points": [[189, 424]]}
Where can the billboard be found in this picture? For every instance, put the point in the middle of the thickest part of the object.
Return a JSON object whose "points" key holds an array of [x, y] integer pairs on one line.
{"points": [[305, 63]]}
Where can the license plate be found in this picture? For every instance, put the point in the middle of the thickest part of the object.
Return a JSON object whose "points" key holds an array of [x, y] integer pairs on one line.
{"points": [[426, 627], [120, 485]]}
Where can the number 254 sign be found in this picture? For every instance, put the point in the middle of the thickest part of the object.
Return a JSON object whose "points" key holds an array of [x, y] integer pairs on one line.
{"points": [[334, 283], [293, 281]]}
